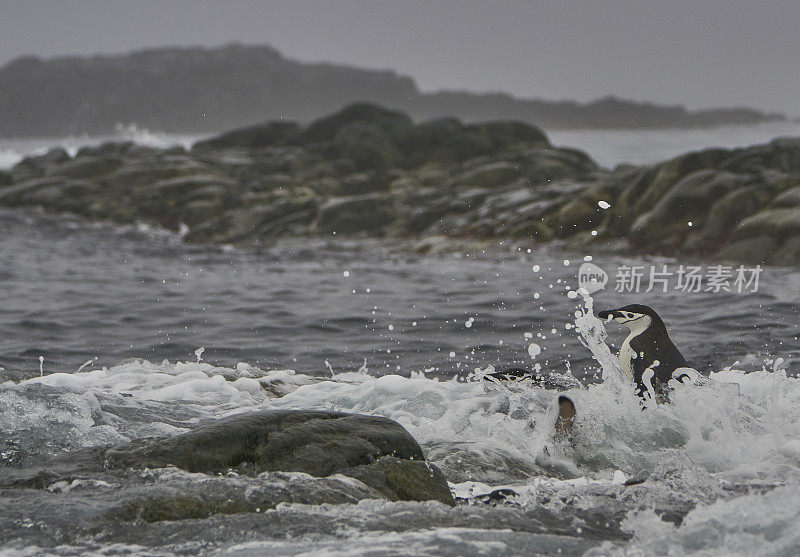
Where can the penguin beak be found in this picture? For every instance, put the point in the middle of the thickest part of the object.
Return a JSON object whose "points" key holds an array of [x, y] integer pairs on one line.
{"points": [[623, 317], [609, 314]]}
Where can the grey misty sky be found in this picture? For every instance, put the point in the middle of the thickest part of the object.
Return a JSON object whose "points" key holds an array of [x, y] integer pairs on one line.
{"points": [[701, 53]]}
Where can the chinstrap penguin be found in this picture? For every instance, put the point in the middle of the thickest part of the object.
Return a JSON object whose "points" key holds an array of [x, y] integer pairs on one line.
{"points": [[648, 355], [518, 376], [565, 417]]}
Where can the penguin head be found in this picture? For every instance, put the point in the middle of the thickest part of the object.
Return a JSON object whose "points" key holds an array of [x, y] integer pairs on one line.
{"points": [[636, 317]]}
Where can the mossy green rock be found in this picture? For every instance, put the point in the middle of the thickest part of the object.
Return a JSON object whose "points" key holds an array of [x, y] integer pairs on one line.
{"points": [[576, 216], [689, 200], [87, 167], [788, 253], [489, 175], [253, 137], [403, 480], [364, 213], [375, 450], [750, 251], [789, 198], [732, 209], [369, 170], [775, 223], [54, 194]]}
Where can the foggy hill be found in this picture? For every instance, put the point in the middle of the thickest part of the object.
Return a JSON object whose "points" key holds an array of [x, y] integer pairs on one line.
{"points": [[197, 90]]}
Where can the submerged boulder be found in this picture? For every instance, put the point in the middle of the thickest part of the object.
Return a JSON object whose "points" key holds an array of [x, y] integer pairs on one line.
{"points": [[375, 450]]}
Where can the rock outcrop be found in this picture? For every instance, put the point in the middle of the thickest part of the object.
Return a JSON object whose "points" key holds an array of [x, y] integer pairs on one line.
{"points": [[374, 450], [368, 170]]}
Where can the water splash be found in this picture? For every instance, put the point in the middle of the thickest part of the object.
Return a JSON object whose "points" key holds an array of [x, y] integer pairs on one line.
{"points": [[87, 363], [144, 136], [593, 336]]}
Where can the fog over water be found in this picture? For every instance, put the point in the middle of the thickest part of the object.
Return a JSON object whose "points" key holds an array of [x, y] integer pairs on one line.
{"points": [[709, 53]]}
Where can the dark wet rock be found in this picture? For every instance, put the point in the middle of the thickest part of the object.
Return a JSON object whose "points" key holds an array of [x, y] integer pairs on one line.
{"points": [[368, 146], [140, 151], [729, 196], [788, 253], [577, 215], [510, 132], [689, 200], [365, 213], [269, 134], [177, 497], [167, 201], [87, 167], [730, 209], [422, 218], [53, 193], [774, 223], [54, 156], [403, 480], [377, 451], [751, 251], [361, 183], [464, 201], [533, 230], [645, 192], [367, 114], [109, 148], [315, 442], [789, 198], [139, 173], [489, 175], [201, 211], [543, 164], [439, 136]]}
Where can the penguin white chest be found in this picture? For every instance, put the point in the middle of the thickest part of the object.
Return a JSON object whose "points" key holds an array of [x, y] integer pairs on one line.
{"points": [[626, 357], [626, 352]]}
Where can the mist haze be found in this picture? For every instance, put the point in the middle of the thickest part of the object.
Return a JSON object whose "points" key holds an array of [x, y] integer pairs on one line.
{"points": [[699, 54]]}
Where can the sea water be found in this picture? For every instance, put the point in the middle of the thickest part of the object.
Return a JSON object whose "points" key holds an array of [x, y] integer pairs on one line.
{"points": [[141, 335]]}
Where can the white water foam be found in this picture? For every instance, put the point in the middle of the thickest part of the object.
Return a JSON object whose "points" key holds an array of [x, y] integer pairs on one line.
{"points": [[13, 151], [9, 157]]}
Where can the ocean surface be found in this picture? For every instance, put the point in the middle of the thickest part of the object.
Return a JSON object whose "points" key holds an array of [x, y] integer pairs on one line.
{"points": [[110, 333], [607, 147], [612, 147]]}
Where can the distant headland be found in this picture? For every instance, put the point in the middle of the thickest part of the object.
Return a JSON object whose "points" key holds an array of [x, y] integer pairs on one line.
{"points": [[206, 90]]}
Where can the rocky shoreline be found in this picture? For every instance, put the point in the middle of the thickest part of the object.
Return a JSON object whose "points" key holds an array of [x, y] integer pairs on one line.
{"points": [[370, 171]]}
